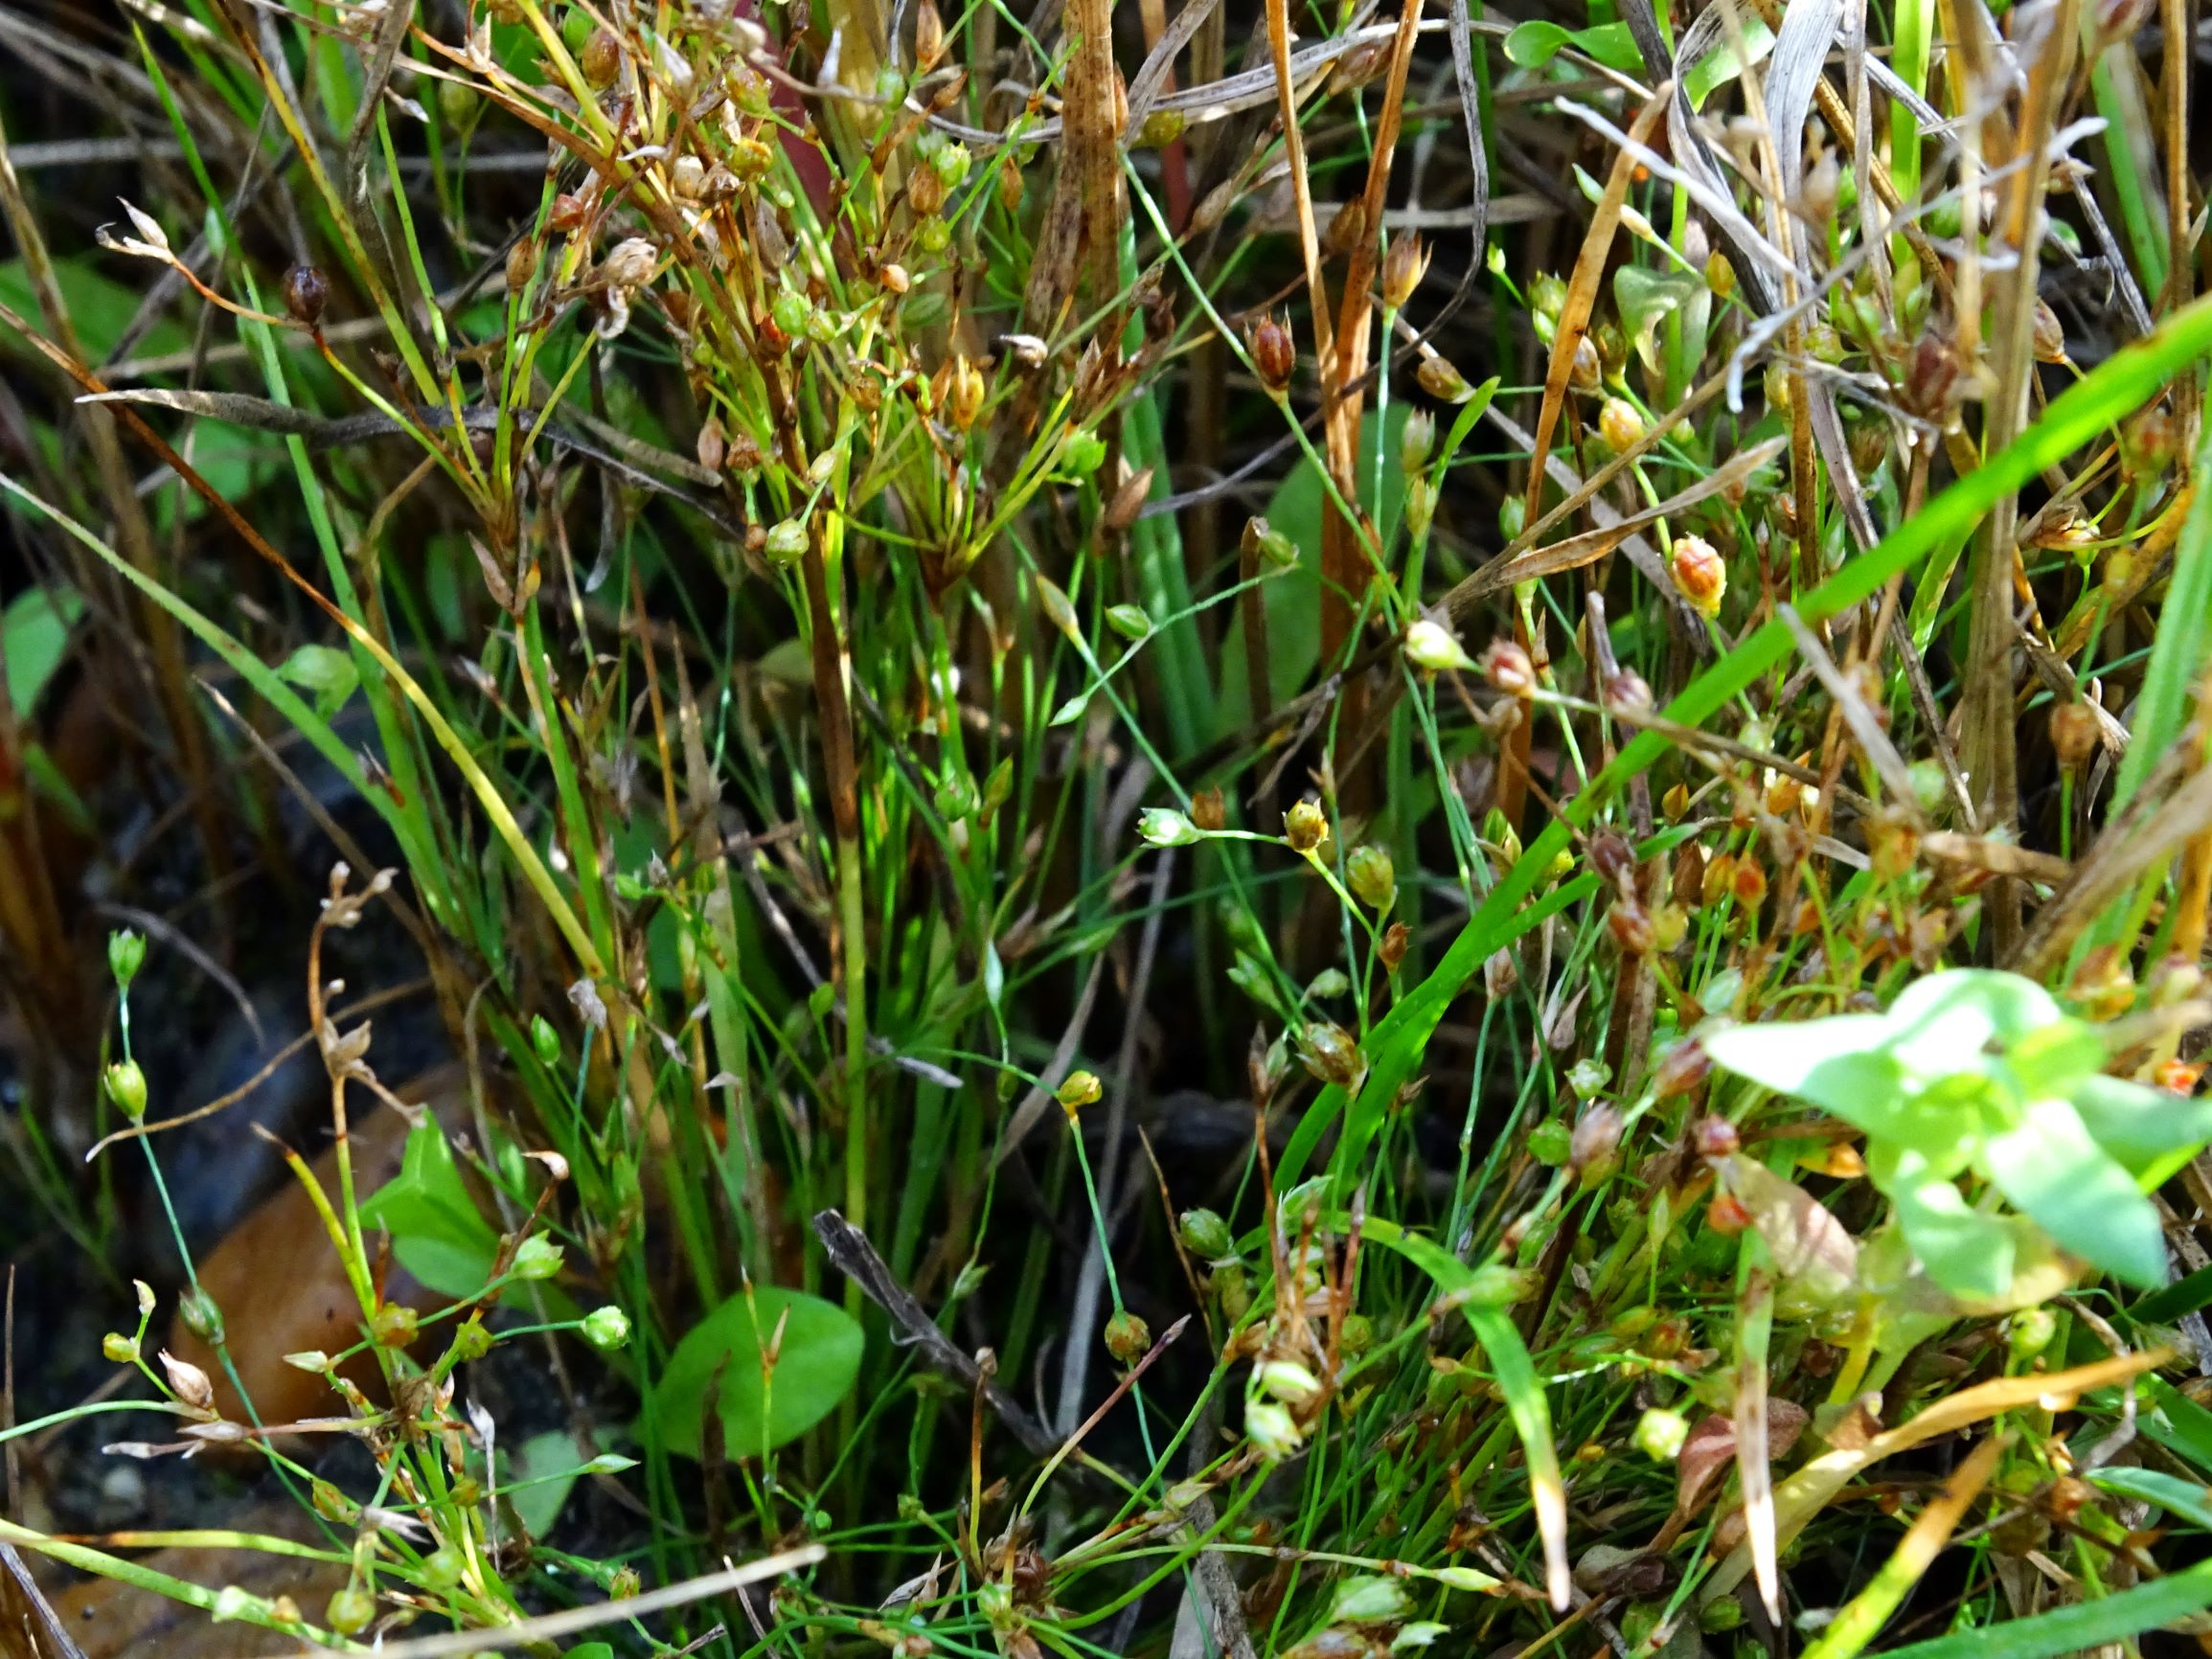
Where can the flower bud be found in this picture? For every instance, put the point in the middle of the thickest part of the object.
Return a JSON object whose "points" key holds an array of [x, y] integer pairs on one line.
{"points": [[125, 956], [1165, 827], [606, 1327], [1372, 877], [395, 1324], [1431, 648], [536, 1256], [1305, 826], [1274, 355], [201, 1316], [1661, 1434], [1078, 1090], [1701, 573], [1596, 1137], [787, 542], [126, 1088], [1206, 1235], [1420, 506], [120, 1349], [1403, 268], [1127, 1338], [307, 291], [350, 1611], [1720, 273], [1416, 439], [1270, 1429], [1547, 296], [928, 36], [1269, 545], [1620, 425]]}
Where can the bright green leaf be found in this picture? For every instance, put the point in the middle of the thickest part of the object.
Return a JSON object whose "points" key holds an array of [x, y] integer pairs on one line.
{"points": [[33, 636], [437, 1232], [2054, 1172], [818, 1357]]}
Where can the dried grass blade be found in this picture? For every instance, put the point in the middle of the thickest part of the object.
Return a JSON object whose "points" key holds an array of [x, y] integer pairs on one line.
{"points": [[1755, 1324]]}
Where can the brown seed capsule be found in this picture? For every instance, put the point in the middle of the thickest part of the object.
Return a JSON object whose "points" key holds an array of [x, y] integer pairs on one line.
{"points": [[925, 191], [1719, 878], [1701, 573], [601, 58], [1305, 826], [1613, 858], [1210, 810], [1687, 880], [1274, 353], [307, 291], [1403, 268], [1630, 925], [1330, 1052], [713, 445], [1597, 1135], [928, 36], [1392, 950], [1439, 378], [1675, 804], [1726, 1215], [1587, 374], [2073, 733], [1748, 884], [2050, 335], [567, 213], [1628, 692], [521, 265], [1128, 1337], [1505, 665]]}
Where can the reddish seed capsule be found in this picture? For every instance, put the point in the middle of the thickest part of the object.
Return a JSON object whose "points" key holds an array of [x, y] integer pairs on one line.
{"points": [[2178, 1077], [1505, 665], [1726, 1215], [1209, 810], [567, 213], [1395, 939], [307, 291], [1632, 927], [601, 58], [1274, 353], [1701, 573], [1749, 884], [1716, 1137], [1612, 858]]}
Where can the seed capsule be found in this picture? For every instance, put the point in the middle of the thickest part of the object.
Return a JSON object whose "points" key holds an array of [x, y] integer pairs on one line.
{"points": [[1372, 877], [1274, 355], [1505, 665], [2073, 733], [1128, 1337], [1701, 573], [1403, 268], [1620, 425], [1305, 826], [601, 58], [307, 291], [2050, 335]]}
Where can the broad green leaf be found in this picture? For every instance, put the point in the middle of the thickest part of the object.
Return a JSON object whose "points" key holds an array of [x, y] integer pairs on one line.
{"points": [[1534, 44], [437, 1232], [1949, 1005], [330, 676], [1722, 64], [2052, 1170], [2177, 1423], [541, 1472], [1965, 1252], [33, 636], [818, 1356], [101, 309], [2138, 1124], [1645, 297]]}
